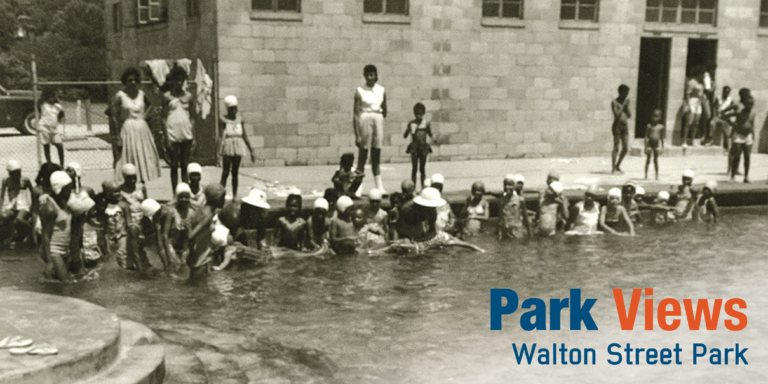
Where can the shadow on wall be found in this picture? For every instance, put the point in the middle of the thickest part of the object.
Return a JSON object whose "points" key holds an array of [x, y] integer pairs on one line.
{"points": [[762, 143], [677, 129]]}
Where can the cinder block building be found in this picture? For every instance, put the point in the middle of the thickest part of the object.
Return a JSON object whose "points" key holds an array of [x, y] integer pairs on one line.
{"points": [[500, 78]]}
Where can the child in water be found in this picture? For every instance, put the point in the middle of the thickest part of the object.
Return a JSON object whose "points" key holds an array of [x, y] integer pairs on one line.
{"points": [[132, 194], [476, 210], [661, 212], [707, 206], [686, 197], [115, 225], [374, 214], [369, 234], [513, 215], [291, 229], [407, 188], [347, 179], [342, 232], [318, 224], [655, 133], [614, 218], [585, 215], [331, 195], [195, 174], [202, 228], [393, 216], [628, 192], [253, 214], [552, 209]]}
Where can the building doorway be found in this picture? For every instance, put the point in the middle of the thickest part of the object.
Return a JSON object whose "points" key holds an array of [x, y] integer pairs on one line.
{"points": [[652, 81], [702, 56]]}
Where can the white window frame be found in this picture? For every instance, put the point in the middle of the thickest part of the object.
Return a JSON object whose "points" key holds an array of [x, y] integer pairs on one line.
{"points": [[679, 13], [577, 7], [274, 8], [154, 9]]}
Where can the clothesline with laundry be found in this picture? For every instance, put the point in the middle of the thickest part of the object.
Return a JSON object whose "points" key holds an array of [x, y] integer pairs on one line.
{"points": [[160, 68]]}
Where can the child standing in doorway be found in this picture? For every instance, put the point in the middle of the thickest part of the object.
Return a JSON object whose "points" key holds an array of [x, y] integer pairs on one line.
{"points": [[655, 133], [51, 116], [234, 143], [419, 148]]}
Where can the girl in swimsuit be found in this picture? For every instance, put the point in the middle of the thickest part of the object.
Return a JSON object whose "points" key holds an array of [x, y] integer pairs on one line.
{"points": [[707, 206], [476, 210], [291, 229], [614, 218], [585, 215]]}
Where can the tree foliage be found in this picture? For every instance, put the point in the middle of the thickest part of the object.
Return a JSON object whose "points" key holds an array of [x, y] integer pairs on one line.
{"points": [[67, 39]]}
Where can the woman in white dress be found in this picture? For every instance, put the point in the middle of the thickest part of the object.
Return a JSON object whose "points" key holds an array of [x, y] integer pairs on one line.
{"points": [[134, 137]]}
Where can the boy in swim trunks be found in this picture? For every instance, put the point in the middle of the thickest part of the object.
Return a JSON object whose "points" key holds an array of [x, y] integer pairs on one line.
{"points": [[620, 128], [342, 230], [655, 133]]}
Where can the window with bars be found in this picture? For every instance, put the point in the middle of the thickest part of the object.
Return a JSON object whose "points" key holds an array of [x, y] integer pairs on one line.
{"points": [[684, 11], [764, 13], [512, 9], [151, 11], [117, 18], [193, 8], [386, 7], [276, 5], [580, 10]]}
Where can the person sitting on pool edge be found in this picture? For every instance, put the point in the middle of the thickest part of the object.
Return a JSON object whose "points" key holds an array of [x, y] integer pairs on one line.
{"points": [[16, 204], [614, 218]]}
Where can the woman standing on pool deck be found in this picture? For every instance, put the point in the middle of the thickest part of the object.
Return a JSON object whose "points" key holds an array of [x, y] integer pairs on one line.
{"points": [[234, 143], [179, 129], [135, 138], [370, 109]]}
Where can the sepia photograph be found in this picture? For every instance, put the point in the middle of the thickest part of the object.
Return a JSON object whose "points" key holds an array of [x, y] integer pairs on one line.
{"points": [[383, 191]]}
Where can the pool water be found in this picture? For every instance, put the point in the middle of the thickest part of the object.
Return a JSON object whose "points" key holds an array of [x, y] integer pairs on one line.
{"points": [[426, 319]]}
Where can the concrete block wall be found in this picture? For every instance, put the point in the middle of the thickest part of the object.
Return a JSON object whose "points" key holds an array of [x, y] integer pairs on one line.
{"points": [[537, 87]]}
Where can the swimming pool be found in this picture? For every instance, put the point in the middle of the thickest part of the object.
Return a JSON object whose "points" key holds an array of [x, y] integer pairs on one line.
{"points": [[426, 320]]}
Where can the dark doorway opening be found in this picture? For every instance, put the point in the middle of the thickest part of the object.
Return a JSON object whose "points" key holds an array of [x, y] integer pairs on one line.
{"points": [[702, 55], [652, 81]]}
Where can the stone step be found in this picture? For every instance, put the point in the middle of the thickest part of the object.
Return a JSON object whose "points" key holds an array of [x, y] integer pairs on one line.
{"points": [[677, 151], [141, 359], [183, 366]]}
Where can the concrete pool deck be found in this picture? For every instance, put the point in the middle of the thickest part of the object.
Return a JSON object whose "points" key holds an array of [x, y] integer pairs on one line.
{"points": [[94, 345], [575, 173]]}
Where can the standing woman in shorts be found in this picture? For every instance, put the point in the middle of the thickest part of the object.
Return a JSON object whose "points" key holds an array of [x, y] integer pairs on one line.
{"points": [[51, 114], [369, 112], [179, 132], [135, 138]]}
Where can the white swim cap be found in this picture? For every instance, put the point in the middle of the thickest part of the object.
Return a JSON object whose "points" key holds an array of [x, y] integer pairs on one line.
{"points": [[614, 192], [149, 207], [13, 165], [712, 185], [321, 203], [76, 168], [663, 196], [343, 203], [220, 236], [640, 191], [510, 177], [519, 178], [374, 194], [129, 169], [194, 168], [230, 101], [183, 188], [437, 179], [688, 173], [59, 180], [556, 187]]}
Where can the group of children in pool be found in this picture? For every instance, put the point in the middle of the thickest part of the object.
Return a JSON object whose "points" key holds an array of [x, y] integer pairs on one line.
{"points": [[199, 227]]}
